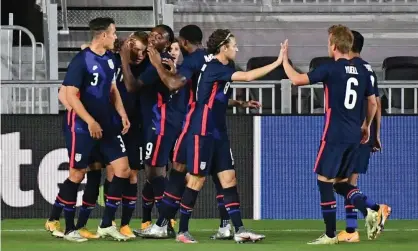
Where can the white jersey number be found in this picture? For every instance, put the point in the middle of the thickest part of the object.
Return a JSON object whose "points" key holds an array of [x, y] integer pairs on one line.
{"points": [[96, 79], [350, 94]]}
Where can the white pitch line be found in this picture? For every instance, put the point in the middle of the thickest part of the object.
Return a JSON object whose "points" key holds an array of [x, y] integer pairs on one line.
{"points": [[260, 230]]}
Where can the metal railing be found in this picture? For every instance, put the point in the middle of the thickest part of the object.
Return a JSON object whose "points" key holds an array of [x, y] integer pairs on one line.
{"points": [[64, 18], [308, 2], [20, 29], [28, 96], [385, 85], [257, 85], [37, 95]]}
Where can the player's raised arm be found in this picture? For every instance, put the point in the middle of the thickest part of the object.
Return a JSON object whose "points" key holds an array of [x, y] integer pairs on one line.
{"points": [[132, 84], [294, 76], [170, 79], [254, 74]]}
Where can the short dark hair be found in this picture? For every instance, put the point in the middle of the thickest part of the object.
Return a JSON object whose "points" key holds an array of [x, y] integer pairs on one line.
{"points": [[168, 30], [192, 33], [358, 42], [217, 39], [99, 25]]}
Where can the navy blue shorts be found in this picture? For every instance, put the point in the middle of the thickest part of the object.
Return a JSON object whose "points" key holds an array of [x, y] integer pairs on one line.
{"points": [[83, 150], [133, 142], [206, 155], [179, 151], [335, 160], [157, 148], [362, 157]]}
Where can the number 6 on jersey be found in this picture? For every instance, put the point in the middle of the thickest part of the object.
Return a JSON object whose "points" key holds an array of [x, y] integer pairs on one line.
{"points": [[350, 94]]}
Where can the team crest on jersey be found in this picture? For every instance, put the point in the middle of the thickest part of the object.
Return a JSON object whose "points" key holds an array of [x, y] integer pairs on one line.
{"points": [[111, 65], [77, 157], [202, 166]]}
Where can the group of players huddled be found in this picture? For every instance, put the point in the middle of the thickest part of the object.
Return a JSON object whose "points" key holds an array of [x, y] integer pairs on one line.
{"points": [[151, 99]]}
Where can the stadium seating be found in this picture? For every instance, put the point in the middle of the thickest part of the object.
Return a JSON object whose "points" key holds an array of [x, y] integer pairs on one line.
{"points": [[277, 74], [401, 68], [318, 93]]}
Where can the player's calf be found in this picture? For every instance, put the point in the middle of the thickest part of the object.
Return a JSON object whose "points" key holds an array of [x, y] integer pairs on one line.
{"points": [[91, 191], [129, 198], [114, 197], [224, 216], [329, 209], [147, 201], [356, 197]]}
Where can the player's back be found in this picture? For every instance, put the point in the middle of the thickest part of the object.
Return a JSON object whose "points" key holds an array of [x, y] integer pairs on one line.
{"points": [[373, 79], [346, 85], [93, 75], [190, 69], [212, 96]]}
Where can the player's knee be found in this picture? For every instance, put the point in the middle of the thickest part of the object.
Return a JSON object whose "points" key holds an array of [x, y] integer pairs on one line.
{"points": [[325, 179], [133, 177], [96, 166], [109, 173], [160, 171], [227, 178], [121, 167], [196, 182], [179, 167], [77, 175], [353, 179]]}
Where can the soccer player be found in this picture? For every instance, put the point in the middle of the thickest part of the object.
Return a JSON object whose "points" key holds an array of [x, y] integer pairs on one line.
{"points": [[92, 93], [194, 58], [346, 84], [361, 162], [91, 190], [206, 136], [159, 121], [133, 53]]}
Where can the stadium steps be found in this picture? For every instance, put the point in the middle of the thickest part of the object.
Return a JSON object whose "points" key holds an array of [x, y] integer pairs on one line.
{"points": [[129, 15], [260, 34], [295, 6]]}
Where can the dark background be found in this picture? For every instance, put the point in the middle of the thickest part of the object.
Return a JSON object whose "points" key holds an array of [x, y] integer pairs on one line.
{"points": [[42, 134], [26, 14]]}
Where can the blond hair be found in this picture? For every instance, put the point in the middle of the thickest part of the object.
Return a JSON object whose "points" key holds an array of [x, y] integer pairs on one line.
{"points": [[341, 37]]}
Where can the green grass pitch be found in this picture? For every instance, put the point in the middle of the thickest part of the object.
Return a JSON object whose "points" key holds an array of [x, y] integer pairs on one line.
{"points": [[292, 235]]}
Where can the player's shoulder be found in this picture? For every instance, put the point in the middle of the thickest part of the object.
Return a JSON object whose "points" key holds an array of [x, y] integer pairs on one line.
{"points": [[363, 64]]}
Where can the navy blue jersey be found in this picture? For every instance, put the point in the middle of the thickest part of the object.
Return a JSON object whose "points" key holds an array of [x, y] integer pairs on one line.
{"points": [[190, 69], [373, 78], [159, 106], [346, 84], [208, 113], [93, 75]]}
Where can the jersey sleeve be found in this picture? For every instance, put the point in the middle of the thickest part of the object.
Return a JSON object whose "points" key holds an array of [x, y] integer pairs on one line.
{"points": [[225, 73], [187, 68], [370, 87], [149, 76], [319, 74], [75, 72]]}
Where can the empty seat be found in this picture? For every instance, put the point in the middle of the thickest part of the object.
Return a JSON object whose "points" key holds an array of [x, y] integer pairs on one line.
{"points": [[276, 74], [318, 93], [401, 68]]}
